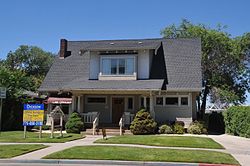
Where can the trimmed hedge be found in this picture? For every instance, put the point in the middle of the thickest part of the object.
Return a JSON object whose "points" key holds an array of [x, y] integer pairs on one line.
{"points": [[143, 123], [237, 121], [165, 129]]}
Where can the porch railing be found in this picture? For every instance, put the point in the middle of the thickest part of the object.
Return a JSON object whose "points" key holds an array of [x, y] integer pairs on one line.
{"points": [[128, 118], [89, 117]]}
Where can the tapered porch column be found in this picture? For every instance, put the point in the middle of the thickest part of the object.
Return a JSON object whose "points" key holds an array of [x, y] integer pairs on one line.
{"points": [[79, 104], [73, 104], [145, 102], [151, 106]]}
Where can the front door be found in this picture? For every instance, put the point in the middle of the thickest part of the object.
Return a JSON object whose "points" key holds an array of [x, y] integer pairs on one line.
{"points": [[117, 109]]}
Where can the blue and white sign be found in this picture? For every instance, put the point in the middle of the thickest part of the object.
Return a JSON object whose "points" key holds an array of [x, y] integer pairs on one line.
{"points": [[33, 114]]}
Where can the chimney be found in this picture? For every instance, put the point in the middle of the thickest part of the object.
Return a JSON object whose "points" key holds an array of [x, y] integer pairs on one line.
{"points": [[63, 49]]}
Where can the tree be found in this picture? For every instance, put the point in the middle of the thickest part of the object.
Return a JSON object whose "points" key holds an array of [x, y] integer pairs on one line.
{"points": [[223, 61], [24, 69], [33, 60]]}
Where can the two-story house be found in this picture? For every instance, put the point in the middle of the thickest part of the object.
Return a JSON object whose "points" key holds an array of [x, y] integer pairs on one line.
{"points": [[112, 78]]}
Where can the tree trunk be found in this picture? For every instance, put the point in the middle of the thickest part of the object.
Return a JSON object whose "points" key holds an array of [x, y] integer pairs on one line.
{"points": [[204, 102]]}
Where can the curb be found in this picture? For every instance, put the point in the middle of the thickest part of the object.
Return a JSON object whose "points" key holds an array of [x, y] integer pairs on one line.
{"points": [[96, 162]]}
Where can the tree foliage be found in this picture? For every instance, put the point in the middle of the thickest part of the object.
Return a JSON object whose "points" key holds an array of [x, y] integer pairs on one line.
{"points": [[224, 67], [22, 70]]}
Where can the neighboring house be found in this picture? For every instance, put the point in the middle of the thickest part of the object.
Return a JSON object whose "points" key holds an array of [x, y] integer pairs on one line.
{"points": [[118, 77]]}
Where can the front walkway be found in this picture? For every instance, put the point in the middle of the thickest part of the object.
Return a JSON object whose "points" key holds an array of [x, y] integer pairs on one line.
{"points": [[55, 147], [239, 147]]}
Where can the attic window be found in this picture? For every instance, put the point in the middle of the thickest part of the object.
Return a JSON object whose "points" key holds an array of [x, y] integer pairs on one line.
{"points": [[118, 52]]}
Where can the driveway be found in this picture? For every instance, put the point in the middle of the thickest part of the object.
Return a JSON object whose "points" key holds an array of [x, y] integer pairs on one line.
{"points": [[239, 147]]}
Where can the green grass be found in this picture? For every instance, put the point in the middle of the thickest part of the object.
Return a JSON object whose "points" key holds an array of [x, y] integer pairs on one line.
{"points": [[9, 151], [17, 136], [142, 154], [172, 141]]}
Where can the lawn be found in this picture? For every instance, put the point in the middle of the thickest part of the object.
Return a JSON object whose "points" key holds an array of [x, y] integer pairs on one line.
{"points": [[9, 151], [171, 141], [17, 136], [143, 154]]}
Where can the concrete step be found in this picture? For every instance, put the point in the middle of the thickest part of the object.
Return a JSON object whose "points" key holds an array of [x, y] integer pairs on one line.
{"points": [[109, 131]]}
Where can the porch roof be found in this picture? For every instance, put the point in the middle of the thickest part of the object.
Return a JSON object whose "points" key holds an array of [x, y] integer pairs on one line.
{"points": [[79, 84]]}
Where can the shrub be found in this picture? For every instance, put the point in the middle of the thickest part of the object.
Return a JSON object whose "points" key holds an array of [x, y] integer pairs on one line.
{"points": [[143, 123], [180, 123], [165, 129], [197, 127], [237, 120], [74, 123], [194, 129], [178, 129]]}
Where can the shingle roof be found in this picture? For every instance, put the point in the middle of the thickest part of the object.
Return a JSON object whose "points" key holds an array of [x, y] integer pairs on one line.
{"points": [[182, 62], [100, 45]]}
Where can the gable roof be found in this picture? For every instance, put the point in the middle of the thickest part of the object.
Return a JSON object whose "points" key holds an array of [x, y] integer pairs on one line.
{"points": [[182, 66]]}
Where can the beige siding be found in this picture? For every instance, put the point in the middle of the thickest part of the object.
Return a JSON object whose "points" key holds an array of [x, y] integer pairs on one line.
{"points": [[167, 113]]}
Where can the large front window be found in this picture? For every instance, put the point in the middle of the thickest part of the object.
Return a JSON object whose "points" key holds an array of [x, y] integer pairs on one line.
{"points": [[118, 66]]}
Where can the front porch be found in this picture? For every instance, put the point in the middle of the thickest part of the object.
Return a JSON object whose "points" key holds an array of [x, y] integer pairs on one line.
{"points": [[109, 109]]}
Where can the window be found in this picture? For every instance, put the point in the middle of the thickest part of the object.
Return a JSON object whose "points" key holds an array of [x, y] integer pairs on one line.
{"points": [[184, 100], [100, 100], [118, 66], [159, 100], [171, 101], [130, 103], [142, 101]]}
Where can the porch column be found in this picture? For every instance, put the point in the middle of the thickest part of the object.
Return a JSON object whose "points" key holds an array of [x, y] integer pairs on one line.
{"points": [[73, 104], [145, 102], [79, 104], [151, 106], [49, 108]]}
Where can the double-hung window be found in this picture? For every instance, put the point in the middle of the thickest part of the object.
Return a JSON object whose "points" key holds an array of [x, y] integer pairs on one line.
{"points": [[118, 66]]}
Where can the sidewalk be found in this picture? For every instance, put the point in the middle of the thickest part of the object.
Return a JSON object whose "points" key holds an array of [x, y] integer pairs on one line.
{"points": [[239, 147]]}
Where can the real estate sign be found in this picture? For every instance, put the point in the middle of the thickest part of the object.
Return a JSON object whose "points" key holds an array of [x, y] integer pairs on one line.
{"points": [[33, 114]]}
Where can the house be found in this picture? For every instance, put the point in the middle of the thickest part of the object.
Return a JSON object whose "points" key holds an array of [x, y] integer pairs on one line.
{"points": [[110, 79]]}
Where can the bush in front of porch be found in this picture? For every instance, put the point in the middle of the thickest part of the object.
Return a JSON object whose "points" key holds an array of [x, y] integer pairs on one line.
{"points": [[74, 124], [143, 123]]}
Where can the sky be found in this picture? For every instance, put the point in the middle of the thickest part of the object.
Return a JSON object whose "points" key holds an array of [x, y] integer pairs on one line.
{"points": [[44, 22]]}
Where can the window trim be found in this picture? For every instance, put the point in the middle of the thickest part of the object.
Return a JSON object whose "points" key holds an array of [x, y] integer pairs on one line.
{"points": [[172, 96], [163, 99], [168, 105], [118, 57], [87, 97]]}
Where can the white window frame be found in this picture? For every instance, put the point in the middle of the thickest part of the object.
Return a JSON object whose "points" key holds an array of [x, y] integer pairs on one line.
{"points": [[188, 97], [163, 98], [177, 96], [172, 96], [87, 97], [118, 57]]}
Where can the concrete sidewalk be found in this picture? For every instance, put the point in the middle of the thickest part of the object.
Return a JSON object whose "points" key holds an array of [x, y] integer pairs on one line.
{"points": [[55, 147], [239, 147]]}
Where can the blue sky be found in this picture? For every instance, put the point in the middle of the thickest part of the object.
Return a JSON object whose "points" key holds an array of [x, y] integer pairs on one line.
{"points": [[44, 22]]}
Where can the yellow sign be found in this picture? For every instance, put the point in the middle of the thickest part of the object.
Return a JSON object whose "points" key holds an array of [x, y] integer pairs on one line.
{"points": [[33, 115]]}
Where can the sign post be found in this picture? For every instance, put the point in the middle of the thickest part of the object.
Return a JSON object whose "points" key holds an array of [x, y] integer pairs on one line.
{"points": [[33, 115], [2, 96]]}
